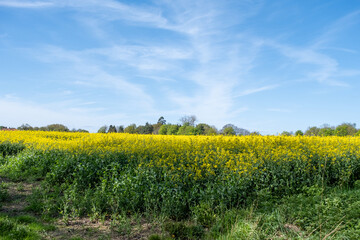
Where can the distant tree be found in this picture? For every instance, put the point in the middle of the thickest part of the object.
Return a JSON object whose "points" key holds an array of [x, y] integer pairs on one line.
{"points": [[237, 130], [25, 127], [312, 131], [186, 130], [80, 130], [172, 129], [358, 133], [228, 131], [188, 120], [255, 133], [112, 129], [182, 129], [346, 129], [299, 133], [161, 120], [57, 127], [202, 128], [43, 129], [130, 129], [327, 131], [286, 133], [103, 129], [163, 129], [140, 129], [211, 131], [146, 129], [120, 129], [242, 132]]}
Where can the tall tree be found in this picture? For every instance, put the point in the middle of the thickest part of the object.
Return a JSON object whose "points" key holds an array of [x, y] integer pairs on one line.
{"points": [[121, 129], [161, 120], [112, 129]]}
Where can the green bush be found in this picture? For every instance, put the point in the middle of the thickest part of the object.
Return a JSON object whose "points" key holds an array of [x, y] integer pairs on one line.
{"points": [[7, 148]]}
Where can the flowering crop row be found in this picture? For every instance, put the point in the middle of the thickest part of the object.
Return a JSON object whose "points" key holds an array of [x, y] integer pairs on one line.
{"points": [[198, 156]]}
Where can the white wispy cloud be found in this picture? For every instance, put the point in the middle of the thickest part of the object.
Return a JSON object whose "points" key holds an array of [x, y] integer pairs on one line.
{"points": [[335, 29], [326, 67], [25, 4], [255, 90]]}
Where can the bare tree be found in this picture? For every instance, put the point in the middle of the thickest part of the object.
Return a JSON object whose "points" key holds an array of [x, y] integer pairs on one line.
{"points": [[188, 120]]}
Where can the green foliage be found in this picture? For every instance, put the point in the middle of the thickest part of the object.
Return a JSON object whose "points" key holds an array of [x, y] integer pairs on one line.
{"points": [[299, 133], [120, 129], [229, 131], [147, 129], [201, 129], [255, 133], [312, 131], [204, 214], [22, 227], [178, 230], [8, 148], [106, 184], [285, 133], [346, 129], [103, 129], [326, 131], [163, 129], [57, 128], [161, 120], [25, 127], [3, 193], [130, 129], [155, 237], [186, 130], [112, 129], [172, 129]]}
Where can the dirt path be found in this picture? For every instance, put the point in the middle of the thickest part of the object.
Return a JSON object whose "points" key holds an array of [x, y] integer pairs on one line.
{"points": [[17, 194]]}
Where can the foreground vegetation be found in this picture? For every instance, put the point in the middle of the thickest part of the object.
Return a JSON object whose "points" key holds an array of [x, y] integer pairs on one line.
{"points": [[254, 187]]}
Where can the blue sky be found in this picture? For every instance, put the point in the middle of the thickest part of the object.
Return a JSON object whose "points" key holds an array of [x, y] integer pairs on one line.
{"points": [[261, 65]]}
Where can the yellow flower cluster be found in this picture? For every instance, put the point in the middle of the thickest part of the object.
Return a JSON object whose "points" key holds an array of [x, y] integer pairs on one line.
{"points": [[197, 156]]}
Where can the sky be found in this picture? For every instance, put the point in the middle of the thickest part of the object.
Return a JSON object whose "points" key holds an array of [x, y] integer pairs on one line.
{"points": [[265, 66]]}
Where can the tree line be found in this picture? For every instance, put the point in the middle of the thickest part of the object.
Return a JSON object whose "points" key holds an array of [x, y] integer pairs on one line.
{"points": [[52, 127], [188, 126], [344, 129]]}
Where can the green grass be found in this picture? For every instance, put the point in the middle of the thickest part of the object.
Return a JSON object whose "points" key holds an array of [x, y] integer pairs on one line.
{"points": [[332, 213], [312, 214], [22, 227]]}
